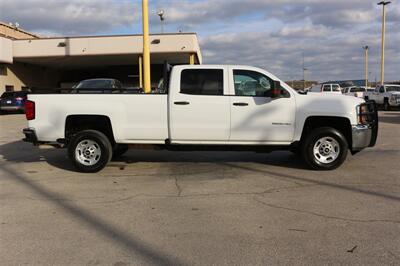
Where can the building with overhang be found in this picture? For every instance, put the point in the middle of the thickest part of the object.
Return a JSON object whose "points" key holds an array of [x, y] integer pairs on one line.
{"points": [[28, 61]]}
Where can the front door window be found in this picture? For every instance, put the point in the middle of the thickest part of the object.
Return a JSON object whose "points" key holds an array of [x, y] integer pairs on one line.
{"points": [[251, 83]]}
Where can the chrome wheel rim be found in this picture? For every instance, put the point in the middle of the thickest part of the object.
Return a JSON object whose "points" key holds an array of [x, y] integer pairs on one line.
{"points": [[88, 152], [326, 150]]}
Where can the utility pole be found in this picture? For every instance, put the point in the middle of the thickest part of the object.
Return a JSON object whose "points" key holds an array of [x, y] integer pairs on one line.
{"points": [[383, 4], [304, 74], [366, 65], [146, 47]]}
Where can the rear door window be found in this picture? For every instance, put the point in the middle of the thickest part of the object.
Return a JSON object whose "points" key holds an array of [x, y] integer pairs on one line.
{"points": [[202, 81]]}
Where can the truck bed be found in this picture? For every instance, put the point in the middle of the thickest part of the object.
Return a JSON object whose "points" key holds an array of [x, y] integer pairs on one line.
{"points": [[142, 117]]}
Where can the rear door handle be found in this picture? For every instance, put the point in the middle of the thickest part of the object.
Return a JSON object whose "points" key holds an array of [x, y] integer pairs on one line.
{"points": [[240, 104], [182, 103]]}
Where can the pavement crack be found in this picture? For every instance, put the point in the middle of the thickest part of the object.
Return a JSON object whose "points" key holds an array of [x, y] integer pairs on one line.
{"points": [[178, 187], [326, 216], [393, 255]]}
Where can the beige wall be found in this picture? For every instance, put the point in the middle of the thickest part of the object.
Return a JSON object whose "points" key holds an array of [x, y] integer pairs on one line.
{"points": [[34, 62], [14, 33], [24, 75], [6, 46], [105, 45]]}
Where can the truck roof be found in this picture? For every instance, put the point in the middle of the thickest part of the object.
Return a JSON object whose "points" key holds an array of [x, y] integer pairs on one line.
{"points": [[203, 66]]}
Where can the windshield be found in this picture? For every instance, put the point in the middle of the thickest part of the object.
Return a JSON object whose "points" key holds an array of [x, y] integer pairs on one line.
{"points": [[357, 89], [7, 94], [392, 88], [95, 84]]}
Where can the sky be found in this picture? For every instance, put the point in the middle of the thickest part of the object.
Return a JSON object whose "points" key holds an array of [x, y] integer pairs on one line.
{"points": [[271, 34]]}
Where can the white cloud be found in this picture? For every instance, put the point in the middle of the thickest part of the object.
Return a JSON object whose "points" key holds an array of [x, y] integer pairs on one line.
{"points": [[305, 31], [68, 16]]}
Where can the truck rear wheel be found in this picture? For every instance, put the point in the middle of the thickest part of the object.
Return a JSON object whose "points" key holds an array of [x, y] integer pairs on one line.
{"points": [[90, 151], [325, 149]]}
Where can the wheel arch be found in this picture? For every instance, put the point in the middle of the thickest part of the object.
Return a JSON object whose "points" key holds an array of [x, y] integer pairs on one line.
{"points": [[342, 124], [76, 123]]}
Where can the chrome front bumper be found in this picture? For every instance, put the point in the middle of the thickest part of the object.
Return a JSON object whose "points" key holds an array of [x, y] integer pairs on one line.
{"points": [[361, 136], [364, 136], [394, 102]]}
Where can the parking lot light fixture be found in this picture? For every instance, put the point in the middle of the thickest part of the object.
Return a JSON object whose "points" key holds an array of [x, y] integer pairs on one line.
{"points": [[161, 14], [366, 48], [383, 4]]}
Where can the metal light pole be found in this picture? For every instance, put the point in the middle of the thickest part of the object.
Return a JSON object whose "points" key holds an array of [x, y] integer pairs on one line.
{"points": [[366, 65], [383, 4], [304, 74], [161, 13], [146, 47]]}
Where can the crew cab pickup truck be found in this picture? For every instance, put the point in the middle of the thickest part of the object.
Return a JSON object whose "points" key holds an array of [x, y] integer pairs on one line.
{"points": [[207, 107], [355, 91], [386, 95]]}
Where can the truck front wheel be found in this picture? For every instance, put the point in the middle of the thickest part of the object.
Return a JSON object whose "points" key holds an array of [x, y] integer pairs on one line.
{"points": [[325, 149], [90, 151]]}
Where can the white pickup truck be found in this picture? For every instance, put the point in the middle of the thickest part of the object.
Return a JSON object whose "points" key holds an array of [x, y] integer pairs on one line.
{"points": [[207, 107], [386, 95]]}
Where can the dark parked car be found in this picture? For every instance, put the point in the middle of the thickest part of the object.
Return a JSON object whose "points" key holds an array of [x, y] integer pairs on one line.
{"points": [[13, 101], [97, 85], [103, 85]]}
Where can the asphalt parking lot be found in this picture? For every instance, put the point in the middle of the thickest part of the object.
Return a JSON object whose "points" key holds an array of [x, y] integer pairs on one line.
{"points": [[199, 208]]}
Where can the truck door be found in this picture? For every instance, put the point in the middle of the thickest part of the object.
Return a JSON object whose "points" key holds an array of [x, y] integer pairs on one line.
{"points": [[256, 117], [378, 94], [199, 111]]}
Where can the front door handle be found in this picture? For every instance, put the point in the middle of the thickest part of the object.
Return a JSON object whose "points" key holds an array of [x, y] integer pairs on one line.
{"points": [[182, 103], [240, 104]]}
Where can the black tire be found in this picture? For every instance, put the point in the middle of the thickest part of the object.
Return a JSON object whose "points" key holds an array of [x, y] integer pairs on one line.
{"points": [[101, 143], [386, 105], [337, 148], [119, 150], [296, 151]]}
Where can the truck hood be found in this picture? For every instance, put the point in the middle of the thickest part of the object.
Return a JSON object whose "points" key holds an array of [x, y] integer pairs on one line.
{"points": [[323, 104], [334, 98]]}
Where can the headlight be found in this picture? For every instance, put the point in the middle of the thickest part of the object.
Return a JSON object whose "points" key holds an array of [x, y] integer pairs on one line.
{"points": [[362, 114]]}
